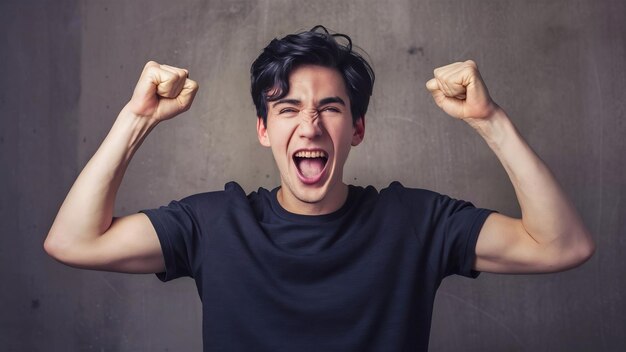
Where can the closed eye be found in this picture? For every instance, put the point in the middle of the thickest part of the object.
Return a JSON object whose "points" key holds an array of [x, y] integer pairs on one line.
{"points": [[331, 109], [287, 111]]}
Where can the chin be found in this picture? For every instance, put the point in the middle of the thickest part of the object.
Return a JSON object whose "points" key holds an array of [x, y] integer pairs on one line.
{"points": [[310, 196], [313, 199]]}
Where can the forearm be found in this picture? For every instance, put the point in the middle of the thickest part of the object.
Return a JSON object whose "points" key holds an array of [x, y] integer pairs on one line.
{"points": [[87, 211], [548, 215]]}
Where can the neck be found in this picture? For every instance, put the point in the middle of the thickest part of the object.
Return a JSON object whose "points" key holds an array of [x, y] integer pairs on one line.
{"points": [[335, 198]]}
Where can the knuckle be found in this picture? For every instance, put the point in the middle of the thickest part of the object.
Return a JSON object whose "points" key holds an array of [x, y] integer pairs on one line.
{"points": [[471, 65], [150, 64], [168, 76], [194, 85], [152, 70]]}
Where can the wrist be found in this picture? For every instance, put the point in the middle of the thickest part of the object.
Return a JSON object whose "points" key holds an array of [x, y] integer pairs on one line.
{"points": [[129, 130], [136, 121], [494, 128]]}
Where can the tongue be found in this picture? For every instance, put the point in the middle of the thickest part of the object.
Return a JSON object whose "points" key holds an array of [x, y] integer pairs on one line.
{"points": [[310, 167]]}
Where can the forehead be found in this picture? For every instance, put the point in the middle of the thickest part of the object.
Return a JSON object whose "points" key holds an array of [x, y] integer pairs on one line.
{"points": [[312, 81]]}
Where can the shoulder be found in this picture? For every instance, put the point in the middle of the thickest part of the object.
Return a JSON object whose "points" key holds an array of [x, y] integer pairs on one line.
{"points": [[411, 195], [232, 190], [207, 204], [397, 201], [206, 210], [423, 201]]}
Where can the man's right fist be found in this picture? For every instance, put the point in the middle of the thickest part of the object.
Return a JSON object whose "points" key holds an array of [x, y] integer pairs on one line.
{"points": [[162, 92]]}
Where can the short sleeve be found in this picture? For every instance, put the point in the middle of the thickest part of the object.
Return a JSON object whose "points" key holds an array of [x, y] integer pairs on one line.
{"points": [[447, 229], [177, 230], [458, 228]]}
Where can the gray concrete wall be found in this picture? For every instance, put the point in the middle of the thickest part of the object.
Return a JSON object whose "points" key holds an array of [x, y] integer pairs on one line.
{"points": [[66, 68]]}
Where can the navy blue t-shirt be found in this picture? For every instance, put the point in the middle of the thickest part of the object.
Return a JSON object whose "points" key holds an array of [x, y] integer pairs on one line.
{"points": [[360, 279]]}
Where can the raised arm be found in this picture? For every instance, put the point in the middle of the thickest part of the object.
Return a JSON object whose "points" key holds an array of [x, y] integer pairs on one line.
{"points": [[84, 233], [550, 236]]}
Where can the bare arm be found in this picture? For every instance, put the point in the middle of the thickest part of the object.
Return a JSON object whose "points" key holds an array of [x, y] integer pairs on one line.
{"points": [[84, 233], [550, 236]]}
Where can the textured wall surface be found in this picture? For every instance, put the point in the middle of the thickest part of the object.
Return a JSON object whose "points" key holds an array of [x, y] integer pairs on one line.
{"points": [[67, 68]]}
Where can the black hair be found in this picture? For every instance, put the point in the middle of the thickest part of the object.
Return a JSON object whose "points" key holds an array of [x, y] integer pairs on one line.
{"points": [[270, 71]]}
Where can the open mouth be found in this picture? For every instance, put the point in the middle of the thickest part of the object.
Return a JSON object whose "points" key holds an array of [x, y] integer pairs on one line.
{"points": [[310, 164]]}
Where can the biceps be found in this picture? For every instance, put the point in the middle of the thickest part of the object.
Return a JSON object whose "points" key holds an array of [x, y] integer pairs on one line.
{"points": [[130, 245], [504, 246]]}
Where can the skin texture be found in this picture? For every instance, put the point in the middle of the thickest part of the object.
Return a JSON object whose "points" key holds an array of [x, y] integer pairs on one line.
{"points": [[550, 236], [301, 120], [84, 233]]}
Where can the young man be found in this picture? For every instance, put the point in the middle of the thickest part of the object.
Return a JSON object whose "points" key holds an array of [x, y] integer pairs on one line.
{"points": [[316, 264]]}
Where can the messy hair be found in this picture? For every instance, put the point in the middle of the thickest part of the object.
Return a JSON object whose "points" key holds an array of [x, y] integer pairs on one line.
{"points": [[270, 71]]}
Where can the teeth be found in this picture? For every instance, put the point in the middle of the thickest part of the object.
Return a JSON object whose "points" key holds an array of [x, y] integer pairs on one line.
{"points": [[310, 154]]}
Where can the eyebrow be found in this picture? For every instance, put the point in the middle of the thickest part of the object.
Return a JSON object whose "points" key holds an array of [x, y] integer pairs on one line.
{"points": [[297, 102], [287, 101], [331, 100]]}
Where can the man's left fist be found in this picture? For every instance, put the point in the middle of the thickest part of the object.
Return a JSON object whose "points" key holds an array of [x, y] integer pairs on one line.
{"points": [[459, 90]]}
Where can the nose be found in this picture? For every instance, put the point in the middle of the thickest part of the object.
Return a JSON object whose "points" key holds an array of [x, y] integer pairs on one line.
{"points": [[310, 124]]}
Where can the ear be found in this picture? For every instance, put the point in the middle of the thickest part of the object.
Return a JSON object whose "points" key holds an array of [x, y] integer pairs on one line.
{"points": [[261, 132], [359, 131]]}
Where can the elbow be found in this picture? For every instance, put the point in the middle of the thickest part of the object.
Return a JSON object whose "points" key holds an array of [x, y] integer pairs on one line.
{"points": [[570, 256], [582, 251], [587, 250], [70, 251], [52, 247], [57, 248]]}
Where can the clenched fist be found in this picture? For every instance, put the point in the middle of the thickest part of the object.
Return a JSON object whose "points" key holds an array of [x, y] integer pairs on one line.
{"points": [[162, 92], [459, 90]]}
